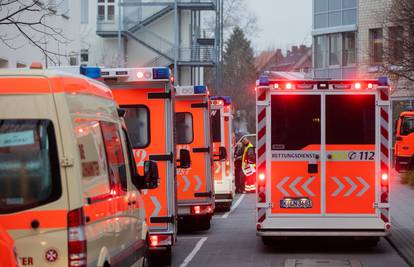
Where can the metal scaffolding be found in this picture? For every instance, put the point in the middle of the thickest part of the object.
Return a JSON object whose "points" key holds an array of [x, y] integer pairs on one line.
{"points": [[136, 16]]}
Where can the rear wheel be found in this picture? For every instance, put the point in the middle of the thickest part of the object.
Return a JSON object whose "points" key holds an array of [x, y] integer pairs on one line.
{"points": [[205, 224], [161, 257], [268, 241], [370, 242]]}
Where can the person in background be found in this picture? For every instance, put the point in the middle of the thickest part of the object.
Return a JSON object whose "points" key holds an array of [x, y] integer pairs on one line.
{"points": [[249, 166], [238, 173]]}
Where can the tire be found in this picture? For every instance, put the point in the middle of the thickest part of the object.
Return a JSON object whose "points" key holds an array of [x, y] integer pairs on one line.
{"points": [[205, 224], [227, 207], [267, 241], [146, 262], [167, 255], [371, 242]]}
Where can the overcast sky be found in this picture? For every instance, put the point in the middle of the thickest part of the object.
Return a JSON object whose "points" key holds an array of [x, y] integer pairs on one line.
{"points": [[282, 23]]}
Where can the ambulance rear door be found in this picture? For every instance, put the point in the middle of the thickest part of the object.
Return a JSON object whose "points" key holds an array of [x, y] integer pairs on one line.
{"points": [[323, 152], [218, 137], [148, 103], [195, 185]]}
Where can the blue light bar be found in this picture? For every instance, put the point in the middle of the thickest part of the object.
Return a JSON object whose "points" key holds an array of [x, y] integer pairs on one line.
{"points": [[200, 89], [264, 81], [91, 72], [383, 81], [226, 99], [161, 73]]}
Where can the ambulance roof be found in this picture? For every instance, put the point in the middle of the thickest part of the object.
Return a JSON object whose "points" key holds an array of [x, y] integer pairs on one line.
{"points": [[29, 81]]}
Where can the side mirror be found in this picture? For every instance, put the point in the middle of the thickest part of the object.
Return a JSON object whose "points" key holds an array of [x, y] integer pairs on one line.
{"points": [[151, 177], [251, 155], [399, 138], [185, 159]]}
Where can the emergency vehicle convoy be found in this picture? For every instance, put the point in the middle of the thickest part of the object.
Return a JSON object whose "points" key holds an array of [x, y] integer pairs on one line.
{"points": [[70, 192], [195, 184], [222, 135], [404, 141], [323, 158], [147, 97]]}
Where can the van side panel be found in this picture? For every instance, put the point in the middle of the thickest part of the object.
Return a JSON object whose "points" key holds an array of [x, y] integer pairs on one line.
{"points": [[50, 238]]}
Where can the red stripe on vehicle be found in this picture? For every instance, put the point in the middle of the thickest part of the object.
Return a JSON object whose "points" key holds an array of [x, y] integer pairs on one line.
{"points": [[384, 150], [261, 133], [262, 95], [384, 133], [384, 115], [261, 151], [261, 116]]}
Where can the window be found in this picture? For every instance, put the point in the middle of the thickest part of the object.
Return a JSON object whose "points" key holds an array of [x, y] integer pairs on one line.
{"points": [[407, 126], [85, 11], [184, 128], [396, 35], [137, 119], [20, 65], [94, 166], [320, 51], [29, 165], [115, 157], [73, 60], [349, 49], [356, 125], [84, 56], [321, 5], [333, 13], [376, 45], [106, 10], [335, 49], [295, 121], [216, 125]]}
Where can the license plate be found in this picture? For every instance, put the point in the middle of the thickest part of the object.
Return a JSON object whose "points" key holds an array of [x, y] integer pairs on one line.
{"points": [[296, 203]]}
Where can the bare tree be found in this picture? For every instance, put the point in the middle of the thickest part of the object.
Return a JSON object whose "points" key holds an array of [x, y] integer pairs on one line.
{"points": [[235, 14], [398, 50], [30, 21]]}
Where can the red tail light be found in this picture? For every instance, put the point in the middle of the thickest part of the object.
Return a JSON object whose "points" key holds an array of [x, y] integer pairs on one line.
{"points": [[160, 240], [154, 240], [77, 248], [262, 177], [197, 209], [205, 209]]}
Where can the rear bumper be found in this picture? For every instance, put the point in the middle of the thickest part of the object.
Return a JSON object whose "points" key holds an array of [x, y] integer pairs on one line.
{"points": [[323, 226], [331, 232], [224, 198]]}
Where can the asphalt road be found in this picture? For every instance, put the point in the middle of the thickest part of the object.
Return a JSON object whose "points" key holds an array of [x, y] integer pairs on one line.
{"points": [[232, 241]]}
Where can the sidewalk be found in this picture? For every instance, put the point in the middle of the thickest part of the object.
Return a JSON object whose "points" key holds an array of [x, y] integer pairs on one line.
{"points": [[402, 214]]}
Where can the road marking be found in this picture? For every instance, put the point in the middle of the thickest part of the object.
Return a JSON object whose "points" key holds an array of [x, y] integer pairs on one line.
{"points": [[193, 252], [225, 215]]}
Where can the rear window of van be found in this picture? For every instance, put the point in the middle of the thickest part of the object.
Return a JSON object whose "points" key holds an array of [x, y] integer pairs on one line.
{"points": [[29, 165]]}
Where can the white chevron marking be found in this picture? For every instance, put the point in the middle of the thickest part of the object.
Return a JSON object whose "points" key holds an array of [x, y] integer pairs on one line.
{"points": [[198, 182], [293, 186], [305, 186], [341, 187], [365, 184], [187, 184], [157, 206], [353, 187], [280, 186]]}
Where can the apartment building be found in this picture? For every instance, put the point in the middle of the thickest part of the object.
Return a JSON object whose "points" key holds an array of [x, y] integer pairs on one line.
{"points": [[349, 41], [131, 33]]}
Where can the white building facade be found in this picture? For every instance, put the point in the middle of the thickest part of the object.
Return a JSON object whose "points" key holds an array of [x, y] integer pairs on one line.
{"points": [[62, 39]]}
